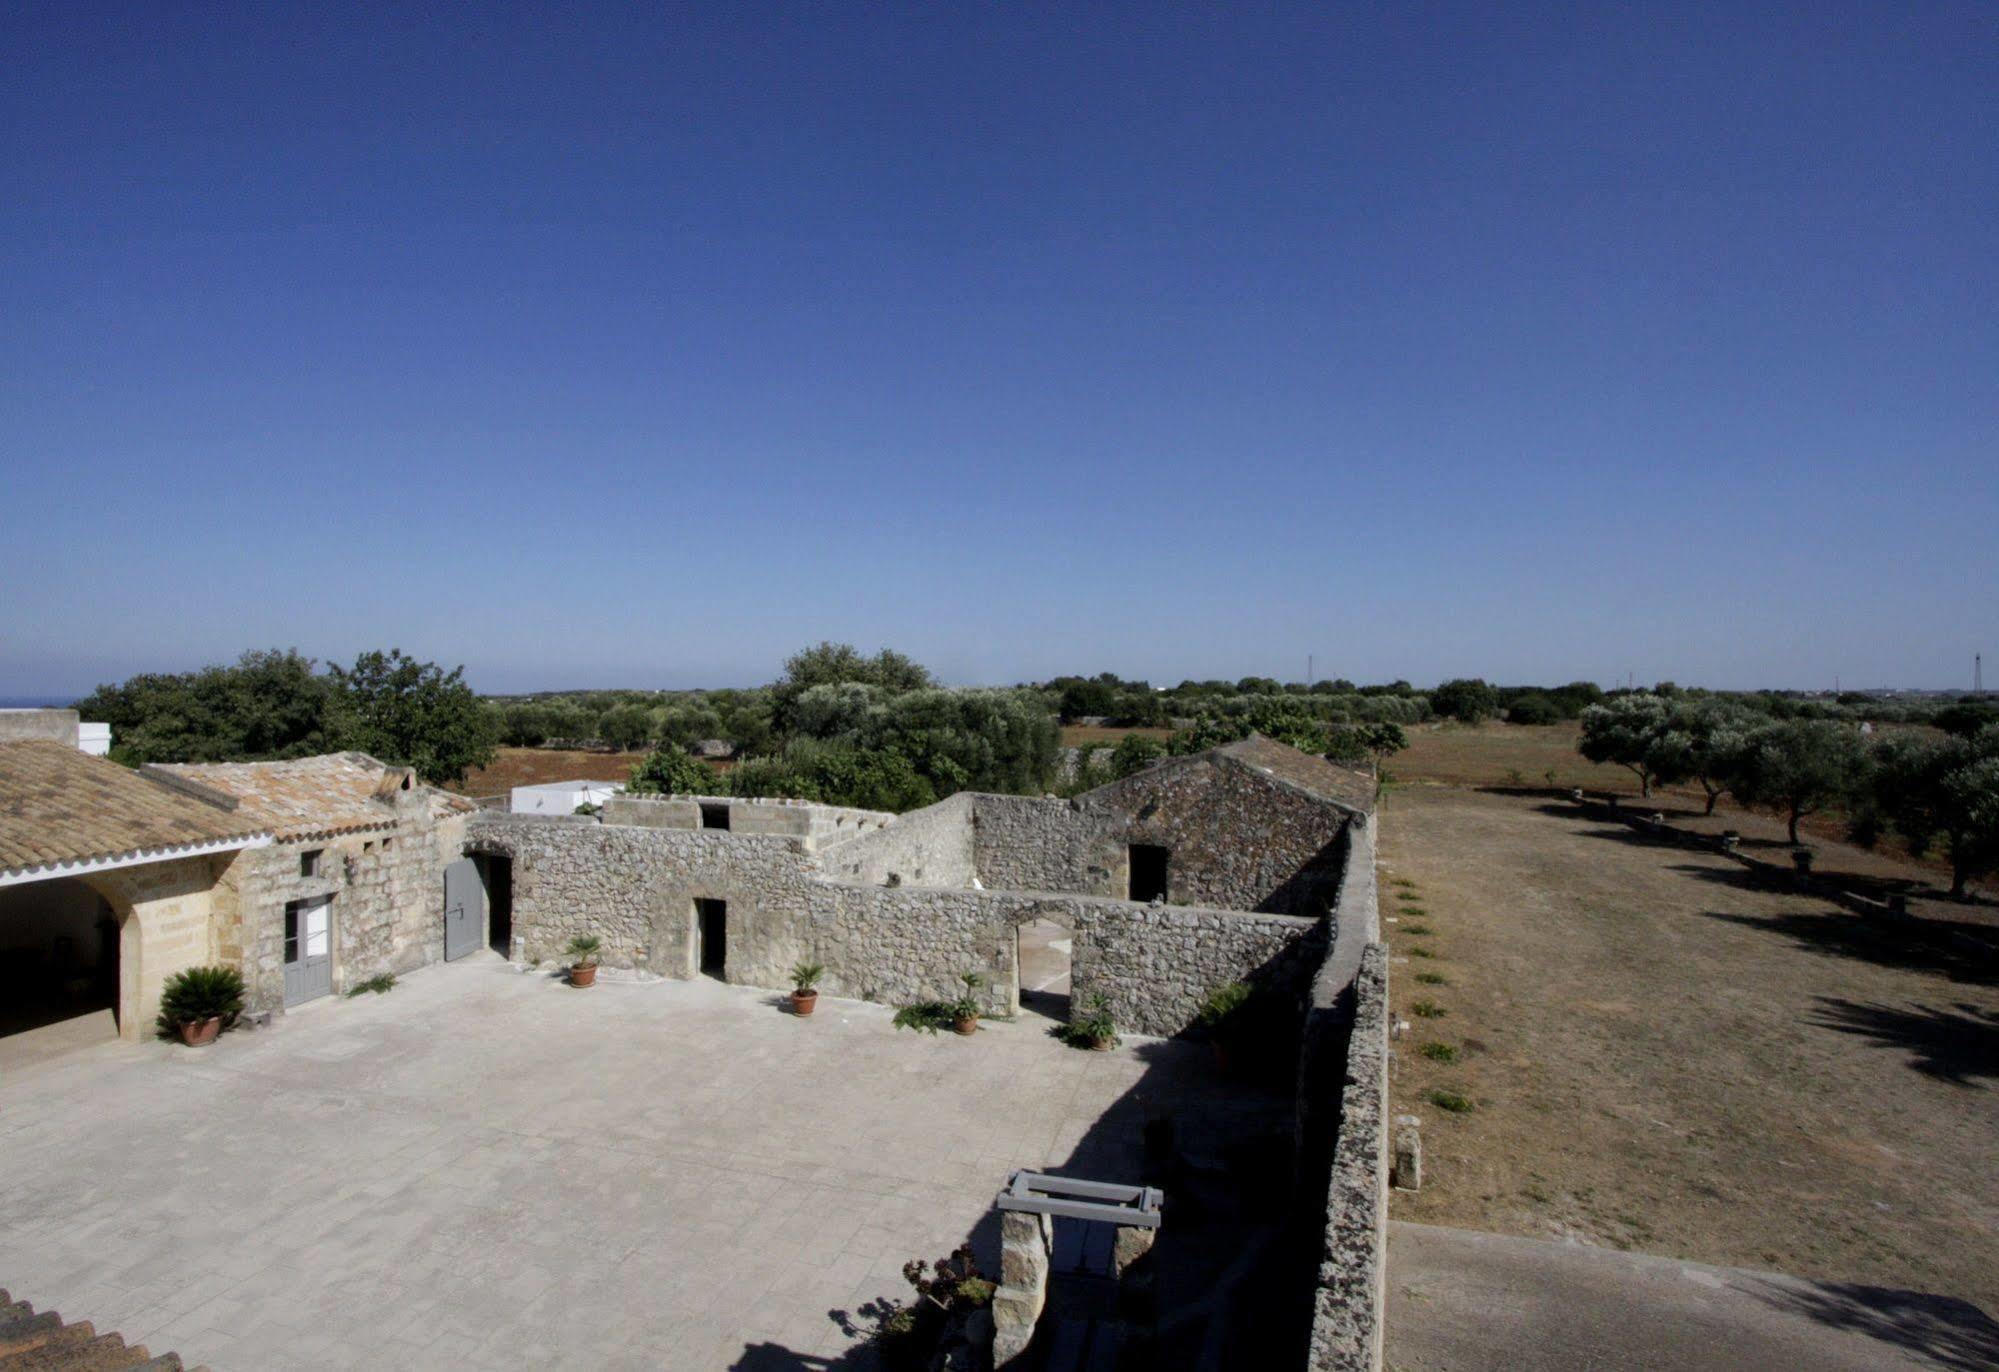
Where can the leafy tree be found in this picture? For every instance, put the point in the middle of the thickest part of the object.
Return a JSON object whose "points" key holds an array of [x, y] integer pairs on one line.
{"points": [[524, 724], [1966, 718], [1713, 738], [667, 770], [1534, 707], [625, 726], [836, 774], [1630, 730], [1134, 753], [1948, 789], [836, 664], [270, 704], [1799, 767], [1370, 743], [413, 714], [1467, 699]]}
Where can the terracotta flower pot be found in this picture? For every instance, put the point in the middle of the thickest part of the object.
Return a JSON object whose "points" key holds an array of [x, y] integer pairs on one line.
{"points": [[803, 1001], [196, 1032], [1102, 1045], [583, 976], [968, 1025]]}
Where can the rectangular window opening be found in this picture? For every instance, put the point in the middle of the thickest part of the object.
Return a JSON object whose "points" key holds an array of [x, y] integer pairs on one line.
{"points": [[1148, 868]]}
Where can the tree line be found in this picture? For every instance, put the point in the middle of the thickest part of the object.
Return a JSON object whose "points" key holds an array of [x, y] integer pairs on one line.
{"points": [[1935, 789]]}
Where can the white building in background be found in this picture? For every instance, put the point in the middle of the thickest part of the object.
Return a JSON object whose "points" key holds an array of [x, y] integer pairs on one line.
{"points": [[561, 797], [57, 726]]}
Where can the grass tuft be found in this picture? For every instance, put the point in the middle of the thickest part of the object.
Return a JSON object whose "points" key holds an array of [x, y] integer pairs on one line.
{"points": [[1439, 1052], [1433, 979], [1428, 1009], [1452, 1101]]}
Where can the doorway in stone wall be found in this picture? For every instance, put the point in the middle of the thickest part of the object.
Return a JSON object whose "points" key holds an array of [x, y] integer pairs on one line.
{"points": [[711, 924], [1042, 950]]}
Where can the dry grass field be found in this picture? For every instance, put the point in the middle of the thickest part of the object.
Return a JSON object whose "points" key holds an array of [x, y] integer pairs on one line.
{"points": [[1076, 735], [513, 767], [1635, 1044]]}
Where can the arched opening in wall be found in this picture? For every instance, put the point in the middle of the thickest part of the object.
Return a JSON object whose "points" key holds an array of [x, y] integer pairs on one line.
{"points": [[59, 967], [1042, 950]]}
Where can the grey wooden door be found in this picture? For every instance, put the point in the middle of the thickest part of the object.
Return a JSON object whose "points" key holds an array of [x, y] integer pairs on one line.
{"points": [[308, 949], [464, 909]]}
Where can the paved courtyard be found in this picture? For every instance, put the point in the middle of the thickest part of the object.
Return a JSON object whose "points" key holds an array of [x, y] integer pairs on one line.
{"points": [[486, 1168]]}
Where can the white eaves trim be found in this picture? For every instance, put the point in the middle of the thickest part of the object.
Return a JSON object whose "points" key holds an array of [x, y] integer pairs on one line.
{"points": [[138, 857]]}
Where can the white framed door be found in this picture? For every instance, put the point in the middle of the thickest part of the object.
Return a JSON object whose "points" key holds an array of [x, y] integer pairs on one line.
{"points": [[308, 949]]}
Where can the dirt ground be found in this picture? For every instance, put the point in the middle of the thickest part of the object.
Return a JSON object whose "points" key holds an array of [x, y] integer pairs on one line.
{"points": [[513, 767], [1660, 1055]]}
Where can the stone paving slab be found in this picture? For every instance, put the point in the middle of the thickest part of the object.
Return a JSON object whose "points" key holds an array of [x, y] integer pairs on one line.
{"points": [[487, 1168]]}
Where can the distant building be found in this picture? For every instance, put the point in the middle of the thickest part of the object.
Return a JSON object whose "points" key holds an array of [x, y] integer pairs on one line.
{"points": [[561, 797], [58, 726]]}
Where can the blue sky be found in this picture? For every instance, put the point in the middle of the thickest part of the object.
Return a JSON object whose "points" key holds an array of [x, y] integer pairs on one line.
{"points": [[643, 347]]}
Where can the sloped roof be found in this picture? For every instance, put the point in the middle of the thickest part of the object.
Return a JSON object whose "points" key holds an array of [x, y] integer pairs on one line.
{"points": [[315, 797], [1343, 786], [60, 806]]}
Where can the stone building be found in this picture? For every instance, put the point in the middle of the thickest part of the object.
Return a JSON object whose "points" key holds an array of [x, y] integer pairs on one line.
{"points": [[1196, 872], [107, 887], [352, 883]]}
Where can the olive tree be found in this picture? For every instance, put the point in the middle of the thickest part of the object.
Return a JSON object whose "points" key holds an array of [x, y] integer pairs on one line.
{"points": [[1800, 767], [1712, 738], [1634, 731], [1945, 789]]}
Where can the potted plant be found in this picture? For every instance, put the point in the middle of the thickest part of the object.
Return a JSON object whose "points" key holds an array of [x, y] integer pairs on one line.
{"points": [[1094, 1028], [583, 948], [965, 1009], [805, 987], [1222, 1015], [196, 1003]]}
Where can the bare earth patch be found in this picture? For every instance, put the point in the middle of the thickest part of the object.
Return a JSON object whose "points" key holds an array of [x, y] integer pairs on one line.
{"points": [[1659, 1055]]}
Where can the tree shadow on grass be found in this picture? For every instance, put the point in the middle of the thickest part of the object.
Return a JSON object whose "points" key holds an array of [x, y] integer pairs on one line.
{"points": [[1951, 1333], [1958, 1046], [1964, 952]]}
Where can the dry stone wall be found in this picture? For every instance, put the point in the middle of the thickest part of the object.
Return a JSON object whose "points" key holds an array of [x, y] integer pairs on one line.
{"points": [[635, 888], [1027, 843], [927, 847]]}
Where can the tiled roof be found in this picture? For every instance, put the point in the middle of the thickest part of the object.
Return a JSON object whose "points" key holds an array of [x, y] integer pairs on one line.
{"points": [[312, 797], [59, 805], [1342, 785]]}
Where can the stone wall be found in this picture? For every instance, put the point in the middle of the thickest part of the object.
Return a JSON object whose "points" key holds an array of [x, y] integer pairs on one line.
{"points": [[816, 826], [1342, 1123], [1156, 964], [1028, 843], [1352, 1284], [635, 888], [387, 910], [1238, 840], [164, 912], [928, 847]]}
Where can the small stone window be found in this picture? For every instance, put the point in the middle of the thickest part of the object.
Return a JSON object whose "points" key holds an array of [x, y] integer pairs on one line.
{"points": [[308, 862], [714, 816], [387, 844]]}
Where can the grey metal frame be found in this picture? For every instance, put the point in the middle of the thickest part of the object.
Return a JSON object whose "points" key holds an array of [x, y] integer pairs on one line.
{"points": [[1136, 1207]]}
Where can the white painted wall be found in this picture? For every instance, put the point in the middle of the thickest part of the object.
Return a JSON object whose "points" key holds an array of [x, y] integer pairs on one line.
{"points": [[94, 739], [561, 797]]}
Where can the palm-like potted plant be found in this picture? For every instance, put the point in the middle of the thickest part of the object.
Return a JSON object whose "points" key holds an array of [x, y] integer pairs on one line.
{"points": [[965, 1009], [1094, 1028], [805, 987], [196, 1003], [583, 949]]}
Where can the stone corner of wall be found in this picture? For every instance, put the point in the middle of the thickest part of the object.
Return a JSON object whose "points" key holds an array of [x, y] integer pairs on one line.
{"points": [[1347, 1318]]}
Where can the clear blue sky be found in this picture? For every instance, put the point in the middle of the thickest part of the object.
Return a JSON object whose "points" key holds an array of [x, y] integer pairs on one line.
{"points": [[583, 348]]}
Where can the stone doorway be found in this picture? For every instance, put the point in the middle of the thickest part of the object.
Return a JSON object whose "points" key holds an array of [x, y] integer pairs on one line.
{"points": [[1042, 954], [1148, 864], [711, 924]]}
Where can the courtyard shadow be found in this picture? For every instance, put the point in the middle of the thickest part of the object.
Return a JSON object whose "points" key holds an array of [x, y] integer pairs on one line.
{"points": [[1235, 1264], [1957, 949], [1960, 1046], [1951, 1333]]}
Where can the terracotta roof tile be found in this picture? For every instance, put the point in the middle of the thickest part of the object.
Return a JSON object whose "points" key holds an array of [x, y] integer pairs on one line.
{"points": [[58, 805], [311, 797]]}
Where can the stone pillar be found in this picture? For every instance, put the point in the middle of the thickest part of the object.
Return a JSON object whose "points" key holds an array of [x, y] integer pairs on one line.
{"points": [[1133, 1276], [1026, 1241], [1406, 1171]]}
